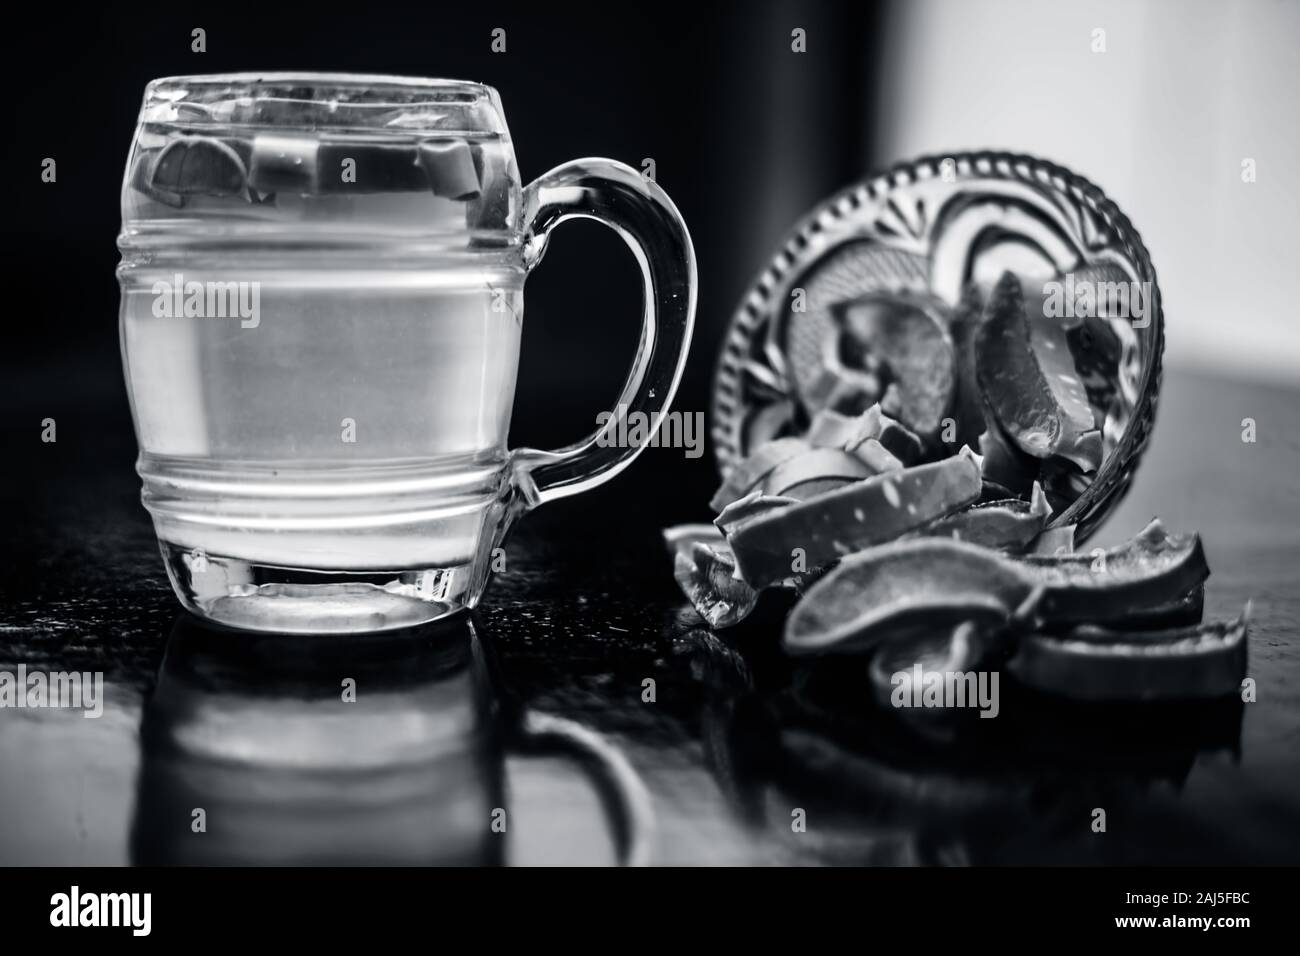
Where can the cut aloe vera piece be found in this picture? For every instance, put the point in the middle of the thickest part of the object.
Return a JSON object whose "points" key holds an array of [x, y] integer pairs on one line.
{"points": [[1096, 350], [1095, 664], [375, 167], [1009, 525], [1063, 481], [1004, 464], [707, 577], [914, 350], [968, 409], [283, 162], [1153, 568], [198, 165], [142, 180], [498, 183], [847, 391], [448, 165], [892, 591], [749, 471], [1050, 340], [814, 472], [1095, 346], [1035, 396], [876, 457], [992, 491], [887, 589], [817, 487], [899, 440], [1054, 541], [1181, 612], [896, 438], [813, 533], [749, 507], [832, 429], [1184, 611]]}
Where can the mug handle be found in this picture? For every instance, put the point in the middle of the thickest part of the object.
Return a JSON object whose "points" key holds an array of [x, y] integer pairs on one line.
{"points": [[628, 806], [618, 196]]}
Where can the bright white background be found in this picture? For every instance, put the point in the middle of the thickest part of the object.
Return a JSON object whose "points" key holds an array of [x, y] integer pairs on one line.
{"points": [[1161, 121]]}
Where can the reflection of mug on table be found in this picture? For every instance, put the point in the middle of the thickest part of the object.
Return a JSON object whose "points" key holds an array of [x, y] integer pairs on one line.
{"points": [[373, 749], [322, 295]]}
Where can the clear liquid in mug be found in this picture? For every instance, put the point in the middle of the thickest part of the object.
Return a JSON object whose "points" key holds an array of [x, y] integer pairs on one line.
{"points": [[331, 389]]}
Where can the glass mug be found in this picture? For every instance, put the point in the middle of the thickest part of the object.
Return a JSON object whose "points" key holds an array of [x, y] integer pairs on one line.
{"points": [[322, 293]]}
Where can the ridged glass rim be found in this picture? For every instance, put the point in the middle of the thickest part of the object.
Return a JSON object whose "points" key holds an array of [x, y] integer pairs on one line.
{"points": [[478, 106], [308, 78]]}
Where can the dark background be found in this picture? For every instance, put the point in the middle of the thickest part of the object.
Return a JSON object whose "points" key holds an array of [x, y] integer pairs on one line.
{"points": [[746, 135]]}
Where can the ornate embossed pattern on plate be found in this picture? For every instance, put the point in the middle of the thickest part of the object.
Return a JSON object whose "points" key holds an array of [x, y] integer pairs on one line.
{"points": [[924, 228]]}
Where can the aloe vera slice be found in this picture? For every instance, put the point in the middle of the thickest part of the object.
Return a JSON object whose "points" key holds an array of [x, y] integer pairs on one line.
{"points": [[749, 471], [379, 167], [194, 165], [895, 437], [813, 533], [1184, 611], [847, 391], [1037, 398], [876, 457], [283, 162], [1153, 568], [1063, 481], [915, 350], [888, 589], [449, 166], [1094, 344], [1050, 341], [1009, 525], [1054, 541], [814, 472], [1004, 464], [1181, 612], [142, 180], [991, 491], [968, 408], [749, 507], [833, 429], [815, 487], [1094, 664]]}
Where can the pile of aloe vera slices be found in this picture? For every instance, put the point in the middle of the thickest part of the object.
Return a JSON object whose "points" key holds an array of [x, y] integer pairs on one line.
{"points": [[901, 541]]}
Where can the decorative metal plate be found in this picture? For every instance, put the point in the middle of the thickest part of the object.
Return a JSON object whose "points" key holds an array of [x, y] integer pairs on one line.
{"points": [[924, 229]]}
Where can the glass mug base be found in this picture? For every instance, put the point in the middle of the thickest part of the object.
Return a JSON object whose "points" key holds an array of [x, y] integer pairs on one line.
{"points": [[259, 597], [328, 549]]}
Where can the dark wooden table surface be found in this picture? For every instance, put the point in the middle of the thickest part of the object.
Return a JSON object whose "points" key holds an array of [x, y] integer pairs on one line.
{"points": [[734, 747]]}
